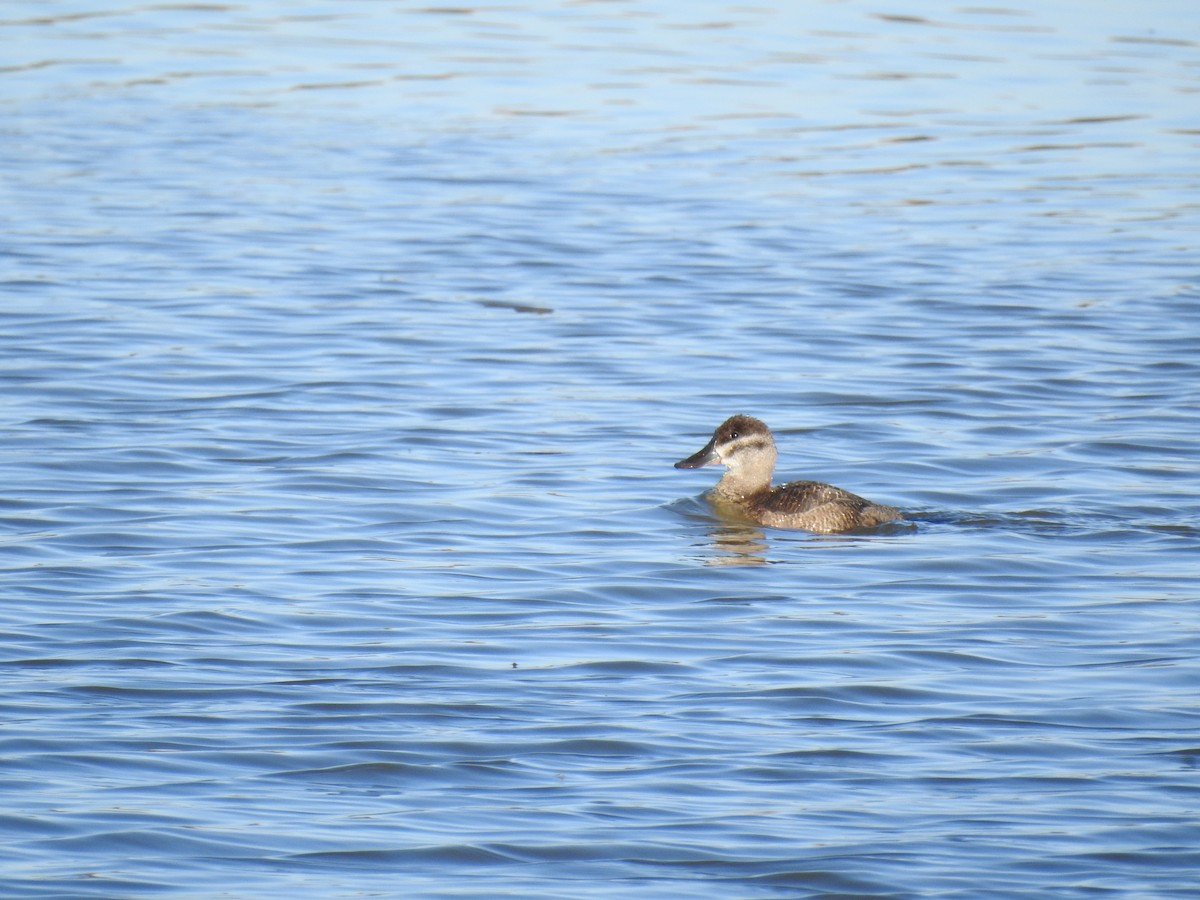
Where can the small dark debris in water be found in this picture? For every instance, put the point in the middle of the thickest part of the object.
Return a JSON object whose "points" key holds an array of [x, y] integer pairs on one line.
{"points": [[1092, 120], [516, 307], [912, 20], [514, 665], [1144, 39]]}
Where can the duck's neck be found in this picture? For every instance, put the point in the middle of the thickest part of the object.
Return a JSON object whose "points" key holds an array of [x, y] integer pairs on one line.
{"points": [[741, 482]]}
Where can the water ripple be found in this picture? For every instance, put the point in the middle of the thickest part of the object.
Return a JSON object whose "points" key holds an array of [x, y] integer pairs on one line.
{"points": [[346, 357]]}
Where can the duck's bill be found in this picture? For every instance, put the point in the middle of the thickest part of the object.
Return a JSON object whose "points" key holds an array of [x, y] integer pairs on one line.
{"points": [[706, 457]]}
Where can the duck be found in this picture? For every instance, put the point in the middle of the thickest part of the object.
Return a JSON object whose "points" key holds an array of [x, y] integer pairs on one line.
{"points": [[745, 446]]}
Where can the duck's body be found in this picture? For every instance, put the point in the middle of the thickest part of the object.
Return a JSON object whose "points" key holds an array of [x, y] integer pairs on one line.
{"points": [[745, 447]]}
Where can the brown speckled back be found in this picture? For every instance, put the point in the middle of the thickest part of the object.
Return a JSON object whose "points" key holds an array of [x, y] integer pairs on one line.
{"points": [[815, 506]]}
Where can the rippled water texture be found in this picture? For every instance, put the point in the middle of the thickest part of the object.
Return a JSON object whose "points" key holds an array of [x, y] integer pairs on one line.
{"points": [[345, 352]]}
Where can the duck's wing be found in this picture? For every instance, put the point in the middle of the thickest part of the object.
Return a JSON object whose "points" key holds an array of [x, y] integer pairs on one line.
{"points": [[823, 508], [802, 496]]}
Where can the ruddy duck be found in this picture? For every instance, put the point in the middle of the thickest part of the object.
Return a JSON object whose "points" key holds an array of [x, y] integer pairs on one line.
{"points": [[745, 447]]}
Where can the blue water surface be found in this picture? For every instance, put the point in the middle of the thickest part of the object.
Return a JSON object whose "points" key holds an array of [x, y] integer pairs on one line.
{"points": [[345, 351]]}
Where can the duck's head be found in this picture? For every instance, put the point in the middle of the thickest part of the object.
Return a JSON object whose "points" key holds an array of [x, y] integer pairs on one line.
{"points": [[742, 444]]}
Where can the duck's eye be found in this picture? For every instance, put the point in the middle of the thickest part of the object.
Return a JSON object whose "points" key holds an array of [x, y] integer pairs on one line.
{"points": [[733, 435]]}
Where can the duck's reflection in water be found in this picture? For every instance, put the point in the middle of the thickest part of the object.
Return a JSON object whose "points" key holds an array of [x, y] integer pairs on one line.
{"points": [[735, 544]]}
